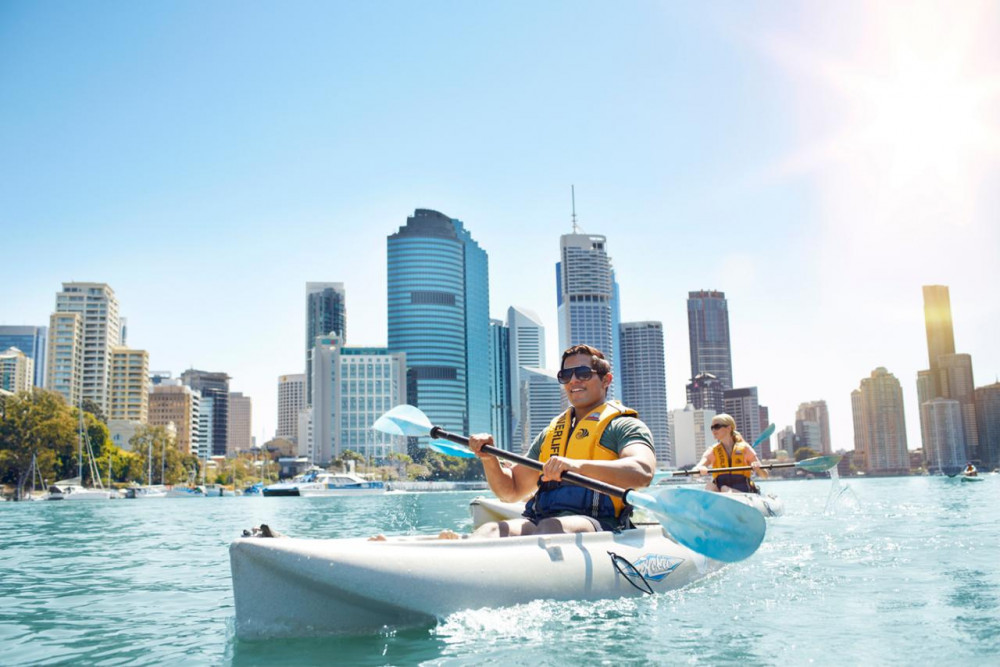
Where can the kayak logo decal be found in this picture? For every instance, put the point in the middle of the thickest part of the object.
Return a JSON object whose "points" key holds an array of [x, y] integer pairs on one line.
{"points": [[656, 567]]}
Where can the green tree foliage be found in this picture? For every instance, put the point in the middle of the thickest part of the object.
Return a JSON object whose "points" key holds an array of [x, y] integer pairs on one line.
{"points": [[803, 453], [156, 447], [91, 406], [40, 422]]}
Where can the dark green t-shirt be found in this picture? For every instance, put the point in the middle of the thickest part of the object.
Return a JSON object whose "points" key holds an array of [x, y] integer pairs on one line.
{"points": [[620, 433]]}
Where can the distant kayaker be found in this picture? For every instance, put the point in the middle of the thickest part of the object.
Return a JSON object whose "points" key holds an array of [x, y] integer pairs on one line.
{"points": [[730, 451], [970, 470], [596, 438]]}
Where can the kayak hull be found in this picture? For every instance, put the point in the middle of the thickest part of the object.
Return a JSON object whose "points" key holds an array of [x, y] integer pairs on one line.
{"points": [[285, 587]]}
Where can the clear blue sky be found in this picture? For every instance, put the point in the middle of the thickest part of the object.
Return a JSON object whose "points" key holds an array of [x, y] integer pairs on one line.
{"points": [[818, 162]]}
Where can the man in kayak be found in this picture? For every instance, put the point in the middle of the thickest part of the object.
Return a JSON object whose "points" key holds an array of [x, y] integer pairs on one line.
{"points": [[596, 438], [970, 470], [730, 451]]}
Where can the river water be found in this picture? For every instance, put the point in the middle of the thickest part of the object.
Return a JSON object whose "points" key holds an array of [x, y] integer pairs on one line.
{"points": [[868, 571]]}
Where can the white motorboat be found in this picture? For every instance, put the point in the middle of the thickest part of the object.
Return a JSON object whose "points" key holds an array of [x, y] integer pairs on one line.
{"points": [[71, 489], [291, 488], [218, 490], [340, 484], [186, 492], [146, 492], [286, 587], [484, 510]]}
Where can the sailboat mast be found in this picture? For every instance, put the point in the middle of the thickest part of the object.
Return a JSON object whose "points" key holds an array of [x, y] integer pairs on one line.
{"points": [[79, 437]]}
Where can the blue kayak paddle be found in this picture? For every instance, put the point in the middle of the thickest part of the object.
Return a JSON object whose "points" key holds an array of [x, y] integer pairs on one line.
{"points": [[708, 523]]}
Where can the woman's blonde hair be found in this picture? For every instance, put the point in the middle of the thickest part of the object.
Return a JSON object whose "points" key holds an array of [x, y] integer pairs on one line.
{"points": [[727, 420]]}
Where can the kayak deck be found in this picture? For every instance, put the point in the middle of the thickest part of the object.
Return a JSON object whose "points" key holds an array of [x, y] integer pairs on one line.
{"points": [[286, 587]]}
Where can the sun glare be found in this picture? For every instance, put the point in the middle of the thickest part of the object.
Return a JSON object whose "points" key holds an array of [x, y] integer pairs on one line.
{"points": [[919, 100]]}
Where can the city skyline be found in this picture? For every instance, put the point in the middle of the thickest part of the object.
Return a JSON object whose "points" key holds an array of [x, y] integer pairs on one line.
{"points": [[773, 171]]}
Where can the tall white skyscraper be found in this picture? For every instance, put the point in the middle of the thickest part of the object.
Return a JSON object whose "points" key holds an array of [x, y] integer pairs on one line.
{"points": [[587, 298], [944, 437], [644, 381], [690, 434], [352, 387], [291, 401], [98, 308], [326, 315], [527, 350], [65, 356], [542, 400]]}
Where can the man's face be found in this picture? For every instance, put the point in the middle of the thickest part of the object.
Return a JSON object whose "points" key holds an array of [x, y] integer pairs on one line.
{"points": [[584, 393]]}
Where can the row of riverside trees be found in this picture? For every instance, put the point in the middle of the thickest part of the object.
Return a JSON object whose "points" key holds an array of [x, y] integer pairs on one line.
{"points": [[40, 424]]}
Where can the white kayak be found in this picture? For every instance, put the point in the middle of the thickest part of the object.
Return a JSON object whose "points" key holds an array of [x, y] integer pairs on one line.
{"points": [[484, 510], [287, 587]]}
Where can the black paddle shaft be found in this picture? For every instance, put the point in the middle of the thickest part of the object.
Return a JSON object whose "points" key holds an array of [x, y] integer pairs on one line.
{"points": [[766, 466], [572, 477]]}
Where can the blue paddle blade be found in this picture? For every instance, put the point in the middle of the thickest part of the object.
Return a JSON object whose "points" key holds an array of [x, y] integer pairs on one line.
{"points": [[708, 523], [450, 449], [819, 463], [405, 420]]}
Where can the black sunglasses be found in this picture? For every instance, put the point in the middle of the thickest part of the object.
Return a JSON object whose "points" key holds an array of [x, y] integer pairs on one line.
{"points": [[582, 372], [718, 426]]}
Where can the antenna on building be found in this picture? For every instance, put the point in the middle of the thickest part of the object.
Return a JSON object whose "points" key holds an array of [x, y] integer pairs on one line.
{"points": [[572, 191]]}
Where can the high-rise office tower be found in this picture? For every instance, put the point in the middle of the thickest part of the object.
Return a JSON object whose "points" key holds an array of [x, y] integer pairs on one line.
{"points": [[937, 321], [128, 388], [326, 315], [98, 308], [170, 402], [743, 406], [239, 434], [942, 425], [988, 424], [765, 444], [880, 424], [500, 394], [818, 438], [214, 390], [787, 441], [33, 341], [17, 370], [542, 400], [705, 392], [690, 434], [644, 381], [291, 401], [438, 315], [587, 298], [352, 387], [65, 356], [954, 380], [708, 333], [527, 350]]}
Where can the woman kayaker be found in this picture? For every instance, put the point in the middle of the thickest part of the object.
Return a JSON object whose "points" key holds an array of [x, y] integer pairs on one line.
{"points": [[730, 451], [596, 438]]}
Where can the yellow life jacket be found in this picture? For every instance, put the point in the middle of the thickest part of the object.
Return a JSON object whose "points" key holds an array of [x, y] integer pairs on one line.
{"points": [[584, 441], [739, 459]]}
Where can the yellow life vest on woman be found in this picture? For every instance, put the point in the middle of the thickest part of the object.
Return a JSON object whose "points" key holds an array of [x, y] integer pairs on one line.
{"points": [[739, 458], [584, 441]]}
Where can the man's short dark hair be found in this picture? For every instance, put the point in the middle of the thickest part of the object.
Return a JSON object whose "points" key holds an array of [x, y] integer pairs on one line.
{"points": [[597, 361]]}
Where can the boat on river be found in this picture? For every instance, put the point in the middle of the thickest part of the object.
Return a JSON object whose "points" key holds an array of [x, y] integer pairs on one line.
{"points": [[971, 478], [288, 587], [340, 484], [484, 510]]}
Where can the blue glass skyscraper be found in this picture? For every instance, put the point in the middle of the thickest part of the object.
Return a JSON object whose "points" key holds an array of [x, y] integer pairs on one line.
{"points": [[438, 314], [30, 340]]}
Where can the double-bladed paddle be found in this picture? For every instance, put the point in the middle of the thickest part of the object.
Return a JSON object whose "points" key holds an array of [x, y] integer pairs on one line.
{"points": [[709, 523], [815, 464]]}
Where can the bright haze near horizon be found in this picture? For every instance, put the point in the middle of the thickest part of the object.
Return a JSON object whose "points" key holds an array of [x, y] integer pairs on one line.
{"points": [[817, 162]]}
